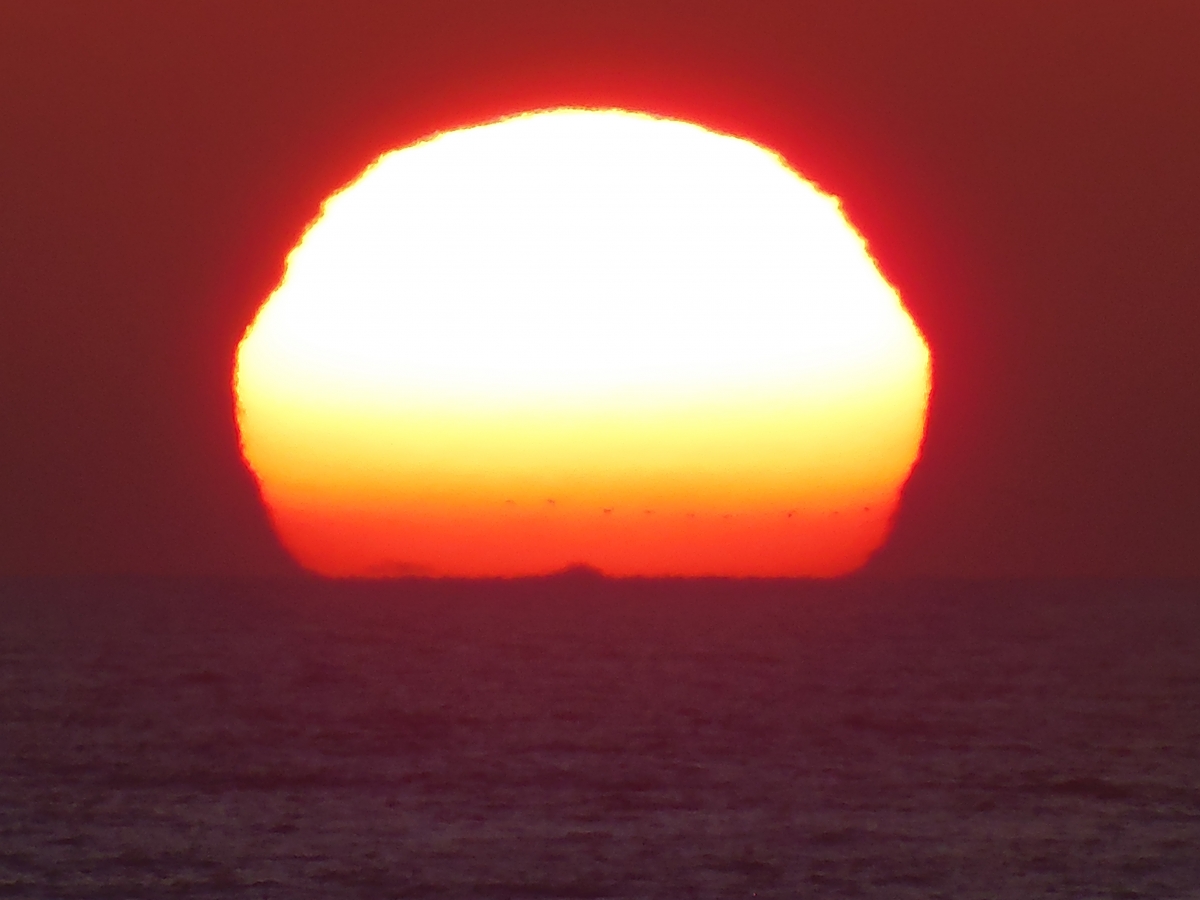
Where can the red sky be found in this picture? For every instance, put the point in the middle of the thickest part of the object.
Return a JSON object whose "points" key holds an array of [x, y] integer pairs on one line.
{"points": [[1026, 173]]}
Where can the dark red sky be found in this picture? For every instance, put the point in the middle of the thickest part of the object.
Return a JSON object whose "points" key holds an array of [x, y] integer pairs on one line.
{"points": [[1027, 173]]}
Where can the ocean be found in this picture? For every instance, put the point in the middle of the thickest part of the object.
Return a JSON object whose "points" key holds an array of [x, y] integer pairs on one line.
{"points": [[575, 737]]}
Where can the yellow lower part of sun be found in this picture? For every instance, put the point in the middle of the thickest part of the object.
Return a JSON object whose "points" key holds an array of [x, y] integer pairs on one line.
{"points": [[734, 390], [768, 488]]}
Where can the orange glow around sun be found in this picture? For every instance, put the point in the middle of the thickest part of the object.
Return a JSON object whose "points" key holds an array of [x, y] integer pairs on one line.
{"points": [[582, 337]]}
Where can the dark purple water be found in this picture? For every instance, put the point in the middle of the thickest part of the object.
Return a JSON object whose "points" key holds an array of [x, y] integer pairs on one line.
{"points": [[578, 738]]}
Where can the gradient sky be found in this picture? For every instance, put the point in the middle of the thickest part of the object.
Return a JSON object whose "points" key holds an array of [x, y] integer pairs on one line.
{"points": [[1025, 172]]}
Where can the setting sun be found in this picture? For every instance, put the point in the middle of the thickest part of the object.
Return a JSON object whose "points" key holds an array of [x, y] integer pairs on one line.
{"points": [[582, 337]]}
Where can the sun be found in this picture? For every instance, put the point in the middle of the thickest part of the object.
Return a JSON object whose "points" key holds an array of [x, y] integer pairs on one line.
{"points": [[582, 337]]}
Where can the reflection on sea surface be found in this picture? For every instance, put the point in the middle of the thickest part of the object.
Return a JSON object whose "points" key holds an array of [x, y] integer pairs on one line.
{"points": [[575, 737]]}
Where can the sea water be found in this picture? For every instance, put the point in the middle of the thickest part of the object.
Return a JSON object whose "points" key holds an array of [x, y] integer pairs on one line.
{"points": [[575, 737]]}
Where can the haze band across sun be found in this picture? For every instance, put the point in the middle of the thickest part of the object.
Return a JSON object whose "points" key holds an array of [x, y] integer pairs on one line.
{"points": [[582, 337]]}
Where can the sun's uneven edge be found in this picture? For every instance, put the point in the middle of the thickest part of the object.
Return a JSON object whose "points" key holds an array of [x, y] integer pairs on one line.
{"points": [[582, 337]]}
